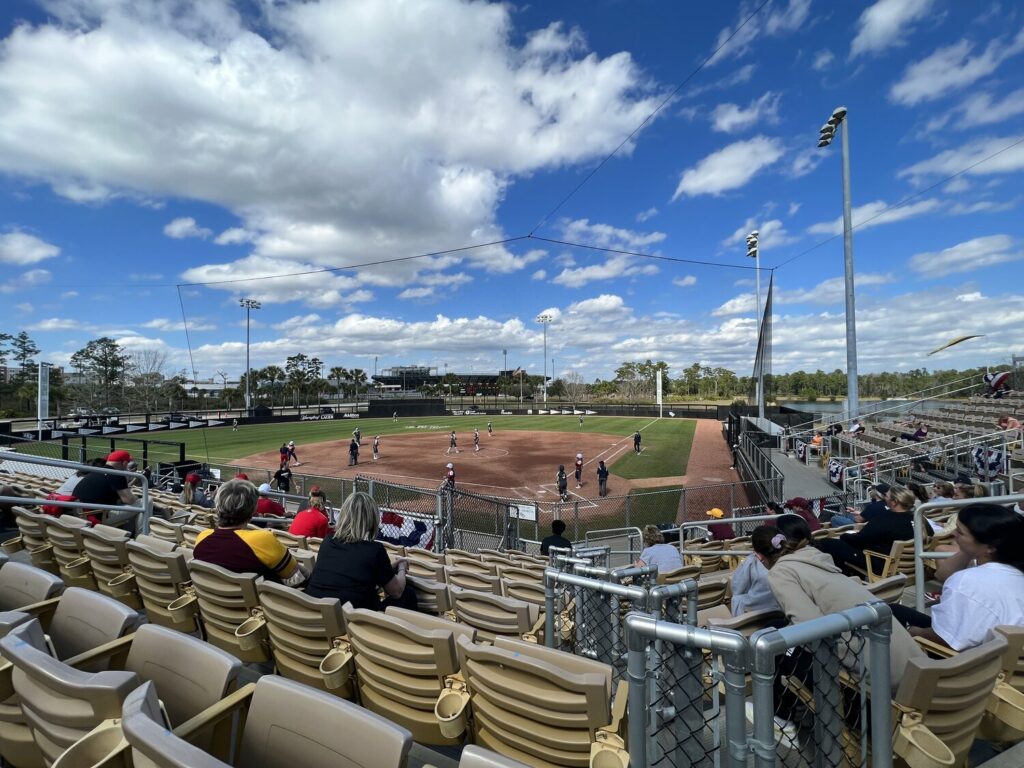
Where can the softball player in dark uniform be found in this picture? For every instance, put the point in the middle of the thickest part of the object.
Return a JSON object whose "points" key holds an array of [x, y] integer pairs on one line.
{"points": [[563, 483], [636, 441], [452, 443]]}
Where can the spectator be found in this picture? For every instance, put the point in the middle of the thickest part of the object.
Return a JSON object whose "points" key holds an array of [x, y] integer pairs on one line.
{"points": [[351, 566], [988, 588], [267, 507], [191, 494], [283, 478], [798, 505], [233, 546], [876, 507], [750, 589], [657, 552], [241, 476], [817, 439], [556, 539], [808, 585], [877, 535], [919, 434], [943, 490], [99, 488], [314, 520], [1008, 422], [720, 531], [855, 427]]}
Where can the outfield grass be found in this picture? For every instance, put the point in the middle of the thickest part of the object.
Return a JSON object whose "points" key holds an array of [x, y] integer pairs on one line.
{"points": [[665, 450], [666, 443]]}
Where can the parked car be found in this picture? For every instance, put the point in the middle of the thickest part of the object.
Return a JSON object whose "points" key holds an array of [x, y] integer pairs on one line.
{"points": [[110, 411], [169, 417], [325, 410]]}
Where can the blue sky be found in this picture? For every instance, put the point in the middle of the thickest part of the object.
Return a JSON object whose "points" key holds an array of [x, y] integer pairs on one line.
{"points": [[148, 145]]}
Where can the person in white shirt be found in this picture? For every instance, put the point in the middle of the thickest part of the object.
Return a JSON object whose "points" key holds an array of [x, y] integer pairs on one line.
{"points": [[750, 588], [991, 593], [657, 552]]}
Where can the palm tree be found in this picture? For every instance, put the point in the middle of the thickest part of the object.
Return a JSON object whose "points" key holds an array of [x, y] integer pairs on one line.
{"points": [[272, 374], [358, 376], [338, 374]]}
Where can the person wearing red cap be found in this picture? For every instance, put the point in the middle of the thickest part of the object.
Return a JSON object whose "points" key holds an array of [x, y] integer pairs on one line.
{"points": [[191, 494], [798, 505], [241, 476], [99, 488]]}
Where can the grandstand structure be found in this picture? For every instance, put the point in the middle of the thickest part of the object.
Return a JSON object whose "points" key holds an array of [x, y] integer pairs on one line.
{"points": [[512, 658]]}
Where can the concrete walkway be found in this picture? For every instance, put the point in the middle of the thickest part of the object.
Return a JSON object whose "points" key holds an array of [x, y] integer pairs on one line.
{"points": [[801, 479]]}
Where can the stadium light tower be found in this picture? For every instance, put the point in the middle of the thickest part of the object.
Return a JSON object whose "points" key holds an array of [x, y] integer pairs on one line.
{"points": [[545, 320], [248, 305], [839, 121], [755, 253]]}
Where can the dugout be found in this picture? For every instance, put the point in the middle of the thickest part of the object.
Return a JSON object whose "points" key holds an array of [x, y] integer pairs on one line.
{"points": [[386, 407]]}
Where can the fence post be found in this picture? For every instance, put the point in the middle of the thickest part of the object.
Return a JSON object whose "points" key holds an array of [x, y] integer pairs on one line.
{"points": [[636, 673], [828, 724], [549, 609], [629, 505], [737, 665], [879, 636], [766, 644]]}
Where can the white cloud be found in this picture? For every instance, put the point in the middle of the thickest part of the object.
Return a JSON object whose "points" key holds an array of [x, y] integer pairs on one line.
{"points": [[138, 277], [959, 184], [729, 168], [823, 60], [291, 119], [772, 21], [982, 206], [730, 118], [169, 326], [614, 267], [69, 295], [870, 215], [887, 23], [648, 214], [55, 324], [540, 274], [951, 68], [828, 292], [423, 292], [685, 281], [600, 306], [607, 236], [770, 234], [740, 76], [298, 321], [975, 156], [981, 109], [745, 303], [31, 279], [970, 298], [967, 256], [25, 308], [805, 161], [185, 226], [21, 248], [793, 208], [235, 236]]}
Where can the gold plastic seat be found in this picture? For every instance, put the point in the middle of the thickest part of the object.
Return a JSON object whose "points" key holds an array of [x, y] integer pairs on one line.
{"points": [[465, 578], [493, 616], [224, 600], [106, 550], [159, 576], [431, 596], [32, 538], [65, 536]]}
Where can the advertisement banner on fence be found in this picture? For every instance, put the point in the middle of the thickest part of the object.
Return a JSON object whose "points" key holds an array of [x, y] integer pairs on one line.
{"points": [[523, 512], [317, 417]]}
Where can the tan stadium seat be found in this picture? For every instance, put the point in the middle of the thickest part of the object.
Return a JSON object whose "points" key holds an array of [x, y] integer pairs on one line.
{"points": [[313, 542], [1004, 719], [394, 550], [290, 540], [166, 530], [80, 621], [322, 731], [521, 572], [190, 675], [527, 591], [750, 622], [426, 570], [453, 552], [940, 704], [32, 538], [538, 705], [24, 585], [706, 563], [477, 757], [465, 563], [494, 558], [159, 576], [65, 536], [307, 637], [225, 599], [106, 550], [679, 574], [890, 589], [472, 579], [431, 596], [493, 616], [900, 559], [189, 535], [402, 658], [523, 557], [425, 555]]}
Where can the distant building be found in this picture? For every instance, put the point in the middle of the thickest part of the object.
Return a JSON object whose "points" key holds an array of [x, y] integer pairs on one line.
{"points": [[410, 378]]}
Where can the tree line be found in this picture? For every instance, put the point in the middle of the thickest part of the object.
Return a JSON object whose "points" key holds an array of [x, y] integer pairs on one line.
{"points": [[103, 375]]}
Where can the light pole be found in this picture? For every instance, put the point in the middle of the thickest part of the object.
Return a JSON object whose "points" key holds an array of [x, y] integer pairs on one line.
{"points": [[828, 132], [504, 369], [755, 253], [249, 305], [544, 320]]}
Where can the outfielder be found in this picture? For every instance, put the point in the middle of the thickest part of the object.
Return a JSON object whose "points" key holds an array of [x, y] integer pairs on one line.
{"points": [[581, 421], [490, 429]]}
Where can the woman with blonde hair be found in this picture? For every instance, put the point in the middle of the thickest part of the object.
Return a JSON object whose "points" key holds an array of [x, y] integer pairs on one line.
{"points": [[190, 493], [314, 520], [352, 566], [877, 535], [657, 552]]}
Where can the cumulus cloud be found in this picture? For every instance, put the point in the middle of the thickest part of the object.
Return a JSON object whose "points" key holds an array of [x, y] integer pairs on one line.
{"points": [[33, 278], [422, 292], [650, 213], [194, 324], [607, 236], [685, 282], [822, 60], [614, 267], [951, 68], [967, 256], [331, 94], [770, 234], [729, 168], [186, 226], [774, 20], [730, 118], [871, 215], [887, 24], [235, 236], [540, 274], [827, 292], [999, 156], [983, 109], [21, 248]]}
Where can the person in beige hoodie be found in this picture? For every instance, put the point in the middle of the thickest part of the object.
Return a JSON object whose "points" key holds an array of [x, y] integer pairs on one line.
{"points": [[807, 585]]}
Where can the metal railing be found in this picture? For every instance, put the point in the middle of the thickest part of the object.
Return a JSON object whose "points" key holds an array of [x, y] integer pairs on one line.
{"points": [[145, 510], [756, 463]]}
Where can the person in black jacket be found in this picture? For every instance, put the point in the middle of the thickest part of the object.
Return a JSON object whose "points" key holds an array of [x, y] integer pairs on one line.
{"points": [[877, 535]]}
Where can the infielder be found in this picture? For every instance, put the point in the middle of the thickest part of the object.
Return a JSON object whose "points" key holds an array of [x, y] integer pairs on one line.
{"points": [[562, 482], [291, 453], [579, 470], [453, 444], [476, 439], [376, 447], [358, 435], [490, 429], [636, 441]]}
